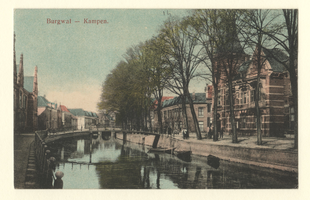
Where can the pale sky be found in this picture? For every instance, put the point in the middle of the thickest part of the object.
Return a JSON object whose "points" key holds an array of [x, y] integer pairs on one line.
{"points": [[74, 59]]}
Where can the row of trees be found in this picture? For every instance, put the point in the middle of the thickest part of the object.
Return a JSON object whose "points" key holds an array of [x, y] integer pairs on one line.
{"points": [[205, 44]]}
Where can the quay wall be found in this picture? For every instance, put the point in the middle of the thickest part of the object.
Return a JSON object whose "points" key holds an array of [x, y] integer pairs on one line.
{"points": [[270, 158]]}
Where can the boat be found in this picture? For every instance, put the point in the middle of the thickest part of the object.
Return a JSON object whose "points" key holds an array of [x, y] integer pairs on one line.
{"points": [[184, 155], [213, 161], [160, 150]]}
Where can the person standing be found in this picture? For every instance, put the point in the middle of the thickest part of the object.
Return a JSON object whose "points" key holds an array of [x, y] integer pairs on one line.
{"points": [[222, 132]]}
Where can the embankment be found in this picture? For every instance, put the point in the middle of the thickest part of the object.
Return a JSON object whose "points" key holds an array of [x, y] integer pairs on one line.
{"points": [[270, 158]]}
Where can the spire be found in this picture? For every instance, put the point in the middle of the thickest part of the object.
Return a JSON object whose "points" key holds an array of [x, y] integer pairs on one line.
{"points": [[20, 78], [14, 62], [35, 81]]}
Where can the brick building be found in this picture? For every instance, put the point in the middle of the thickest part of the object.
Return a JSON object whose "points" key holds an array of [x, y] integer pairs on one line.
{"points": [[48, 114], [274, 99], [172, 115]]}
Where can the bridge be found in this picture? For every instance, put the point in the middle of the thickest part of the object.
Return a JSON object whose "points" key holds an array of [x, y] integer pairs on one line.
{"points": [[44, 137]]}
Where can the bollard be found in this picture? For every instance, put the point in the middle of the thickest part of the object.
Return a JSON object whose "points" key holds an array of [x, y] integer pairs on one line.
{"points": [[58, 183]]}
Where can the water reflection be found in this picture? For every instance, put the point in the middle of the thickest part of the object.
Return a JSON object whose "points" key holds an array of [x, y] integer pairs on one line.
{"points": [[106, 163]]}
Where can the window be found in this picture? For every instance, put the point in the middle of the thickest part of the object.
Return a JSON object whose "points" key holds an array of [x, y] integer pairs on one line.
{"points": [[209, 107], [237, 99], [20, 99], [181, 125], [176, 125], [252, 95], [242, 98], [245, 97], [227, 99], [200, 112], [24, 101], [208, 122], [201, 126]]}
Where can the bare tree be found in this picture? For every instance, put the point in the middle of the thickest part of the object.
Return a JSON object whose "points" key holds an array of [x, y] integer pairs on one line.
{"points": [[181, 50]]}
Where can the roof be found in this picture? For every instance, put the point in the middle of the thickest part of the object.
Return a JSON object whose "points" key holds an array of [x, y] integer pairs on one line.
{"points": [[28, 83], [274, 64], [43, 102], [164, 98], [81, 112], [199, 98], [77, 112], [279, 55], [64, 108], [244, 66]]}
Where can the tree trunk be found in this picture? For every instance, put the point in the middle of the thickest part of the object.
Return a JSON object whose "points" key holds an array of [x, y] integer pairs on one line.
{"points": [[257, 111], [215, 137], [257, 96], [232, 112], [160, 121], [184, 112], [197, 129], [294, 86]]}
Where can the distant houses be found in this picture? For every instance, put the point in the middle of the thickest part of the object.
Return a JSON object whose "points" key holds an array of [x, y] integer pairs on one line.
{"points": [[84, 118], [52, 116]]}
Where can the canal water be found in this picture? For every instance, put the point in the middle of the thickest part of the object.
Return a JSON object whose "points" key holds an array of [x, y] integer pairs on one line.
{"points": [[107, 163]]}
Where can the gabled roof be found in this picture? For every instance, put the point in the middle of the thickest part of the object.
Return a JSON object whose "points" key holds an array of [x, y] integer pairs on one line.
{"points": [[28, 83], [279, 55], [77, 112], [81, 112], [164, 98], [64, 108], [244, 66], [43, 102], [199, 98]]}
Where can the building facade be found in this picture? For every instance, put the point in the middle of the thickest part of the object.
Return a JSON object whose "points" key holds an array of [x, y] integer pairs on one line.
{"points": [[25, 98], [172, 115], [274, 97], [85, 119], [48, 114], [67, 118]]}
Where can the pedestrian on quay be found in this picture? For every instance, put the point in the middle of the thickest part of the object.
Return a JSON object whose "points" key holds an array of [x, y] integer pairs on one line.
{"points": [[58, 183], [222, 132], [169, 130]]}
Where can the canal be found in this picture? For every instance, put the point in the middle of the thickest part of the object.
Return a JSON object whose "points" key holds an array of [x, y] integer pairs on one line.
{"points": [[107, 163]]}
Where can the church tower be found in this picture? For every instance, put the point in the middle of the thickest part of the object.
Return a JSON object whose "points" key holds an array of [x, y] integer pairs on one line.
{"points": [[20, 78], [35, 82], [14, 62]]}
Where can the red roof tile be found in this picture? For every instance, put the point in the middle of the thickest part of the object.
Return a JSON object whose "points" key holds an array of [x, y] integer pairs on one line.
{"points": [[64, 108], [162, 100]]}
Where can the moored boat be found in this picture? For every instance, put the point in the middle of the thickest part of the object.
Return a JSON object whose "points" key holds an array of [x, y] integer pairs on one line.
{"points": [[160, 150], [184, 155]]}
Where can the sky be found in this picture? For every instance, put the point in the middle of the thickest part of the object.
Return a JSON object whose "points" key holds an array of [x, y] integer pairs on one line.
{"points": [[74, 59]]}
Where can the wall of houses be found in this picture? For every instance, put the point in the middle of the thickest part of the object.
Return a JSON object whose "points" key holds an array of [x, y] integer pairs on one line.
{"points": [[172, 115]]}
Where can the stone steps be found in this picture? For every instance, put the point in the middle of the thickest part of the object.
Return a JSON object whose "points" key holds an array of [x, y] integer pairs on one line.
{"points": [[31, 179]]}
